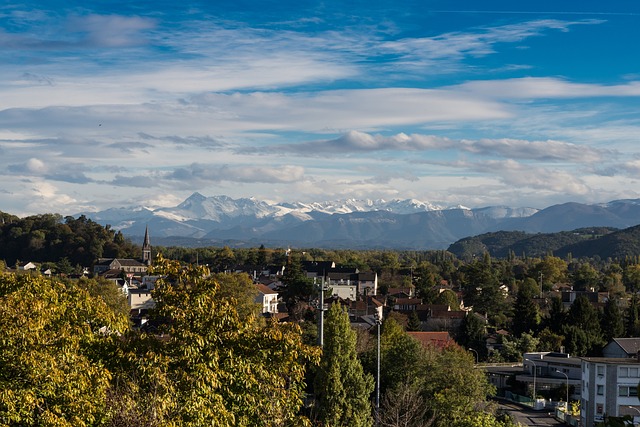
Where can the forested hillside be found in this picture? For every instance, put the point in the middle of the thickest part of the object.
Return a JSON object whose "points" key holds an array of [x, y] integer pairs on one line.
{"points": [[583, 242], [51, 238]]}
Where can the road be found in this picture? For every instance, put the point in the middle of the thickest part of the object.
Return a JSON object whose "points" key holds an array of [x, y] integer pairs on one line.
{"points": [[529, 417]]}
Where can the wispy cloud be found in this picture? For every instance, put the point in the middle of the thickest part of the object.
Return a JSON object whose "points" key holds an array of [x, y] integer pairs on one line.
{"points": [[359, 142]]}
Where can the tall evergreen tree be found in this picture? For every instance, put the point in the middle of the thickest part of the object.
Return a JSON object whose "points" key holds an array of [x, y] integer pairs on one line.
{"points": [[612, 320], [557, 316], [582, 328], [414, 322], [632, 320], [526, 315], [341, 386], [472, 333]]}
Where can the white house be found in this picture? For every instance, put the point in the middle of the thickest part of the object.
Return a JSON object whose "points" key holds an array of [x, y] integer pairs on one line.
{"points": [[267, 298]]}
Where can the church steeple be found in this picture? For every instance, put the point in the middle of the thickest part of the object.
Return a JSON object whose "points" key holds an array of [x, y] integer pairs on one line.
{"points": [[146, 247]]}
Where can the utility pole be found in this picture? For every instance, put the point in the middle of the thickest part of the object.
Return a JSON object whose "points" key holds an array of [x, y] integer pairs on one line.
{"points": [[321, 307]]}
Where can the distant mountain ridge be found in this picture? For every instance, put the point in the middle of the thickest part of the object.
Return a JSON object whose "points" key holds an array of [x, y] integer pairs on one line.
{"points": [[351, 223]]}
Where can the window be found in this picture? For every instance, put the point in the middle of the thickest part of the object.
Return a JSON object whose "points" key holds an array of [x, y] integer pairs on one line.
{"points": [[599, 409], [624, 372], [600, 390], [633, 372], [627, 391], [600, 370]]}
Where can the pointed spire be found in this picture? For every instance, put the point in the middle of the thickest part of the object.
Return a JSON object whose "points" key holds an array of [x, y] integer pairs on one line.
{"points": [[146, 236], [146, 247]]}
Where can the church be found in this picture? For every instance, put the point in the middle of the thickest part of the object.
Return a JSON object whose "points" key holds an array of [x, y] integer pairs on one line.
{"points": [[115, 266]]}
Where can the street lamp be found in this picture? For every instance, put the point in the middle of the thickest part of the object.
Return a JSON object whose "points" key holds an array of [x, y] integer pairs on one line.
{"points": [[476, 352], [635, 409], [567, 377], [378, 323]]}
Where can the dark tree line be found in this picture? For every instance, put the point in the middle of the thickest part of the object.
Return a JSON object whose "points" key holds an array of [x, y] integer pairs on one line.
{"points": [[51, 238]]}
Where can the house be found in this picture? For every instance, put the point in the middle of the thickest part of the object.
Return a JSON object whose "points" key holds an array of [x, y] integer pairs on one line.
{"points": [[27, 266], [127, 265], [400, 292], [316, 269], [267, 299], [438, 340], [622, 348], [406, 304], [548, 370], [609, 388], [441, 318], [367, 283], [140, 299]]}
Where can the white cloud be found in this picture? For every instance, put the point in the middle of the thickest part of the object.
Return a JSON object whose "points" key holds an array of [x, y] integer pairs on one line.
{"points": [[545, 87]]}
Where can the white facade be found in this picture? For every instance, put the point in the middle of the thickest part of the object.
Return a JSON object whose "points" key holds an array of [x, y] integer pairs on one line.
{"points": [[609, 387], [344, 290], [140, 299], [267, 298]]}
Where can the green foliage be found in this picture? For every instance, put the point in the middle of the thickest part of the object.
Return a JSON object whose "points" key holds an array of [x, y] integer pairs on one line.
{"points": [[472, 333], [526, 314], [240, 287], [47, 237], [583, 242], [582, 328], [413, 323], [296, 286], [453, 388], [52, 332], [221, 366], [612, 320], [341, 386], [513, 349], [482, 289], [483, 419], [109, 292], [400, 355], [448, 297]]}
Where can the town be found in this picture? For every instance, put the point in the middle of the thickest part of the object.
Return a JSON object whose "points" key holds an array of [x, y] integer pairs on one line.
{"points": [[546, 333]]}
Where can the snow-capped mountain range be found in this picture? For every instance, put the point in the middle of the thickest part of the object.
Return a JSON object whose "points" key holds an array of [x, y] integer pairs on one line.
{"points": [[349, 223]]}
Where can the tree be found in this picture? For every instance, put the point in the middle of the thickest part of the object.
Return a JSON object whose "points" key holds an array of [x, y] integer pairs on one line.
{"points": [[403, 406], [341, 386], [296, 286], [240, 288], [451, 385], [585, 277], [582, 328], [400, 355], [549, 341], [632, 318], [414, 323], [612, 320], [52, 333], [556, 317], [472, 333], [512, 350], [449, 298], [482, 289], [526, 315], [221, 365], [550, 270]]}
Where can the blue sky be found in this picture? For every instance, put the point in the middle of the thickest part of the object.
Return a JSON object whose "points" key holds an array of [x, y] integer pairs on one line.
{"points": [[107, 104]]}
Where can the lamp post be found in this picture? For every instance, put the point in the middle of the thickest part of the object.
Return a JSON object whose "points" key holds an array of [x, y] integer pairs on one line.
{"points": [[635, 409], [567, 377], [476, 352], [378, 323]]}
